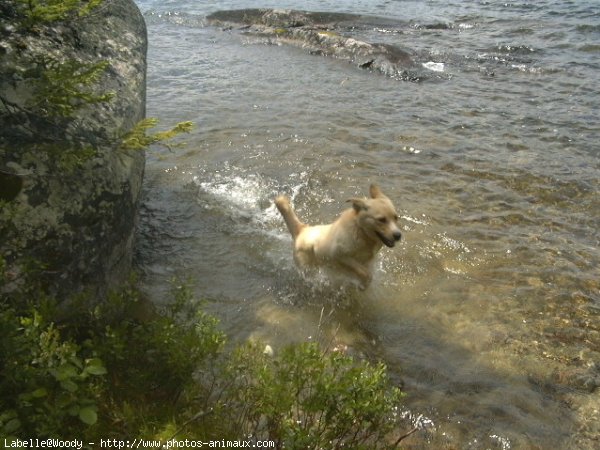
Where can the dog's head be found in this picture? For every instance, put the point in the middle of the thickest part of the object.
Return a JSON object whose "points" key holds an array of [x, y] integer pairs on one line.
{"points": [[377, 217]]}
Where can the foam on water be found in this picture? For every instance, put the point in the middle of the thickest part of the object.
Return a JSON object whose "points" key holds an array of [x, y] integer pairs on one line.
{"points": [[435, 66], [243, 194]]}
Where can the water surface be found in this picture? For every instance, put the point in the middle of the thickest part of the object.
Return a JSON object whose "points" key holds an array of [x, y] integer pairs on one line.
{"points": [[488, 311]]}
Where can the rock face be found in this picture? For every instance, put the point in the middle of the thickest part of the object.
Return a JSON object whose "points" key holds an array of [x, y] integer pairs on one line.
{"points": [[327, 34], [68, 193]]}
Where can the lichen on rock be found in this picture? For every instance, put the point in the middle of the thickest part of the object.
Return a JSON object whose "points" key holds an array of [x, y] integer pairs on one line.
{"points": [[74, 192]]}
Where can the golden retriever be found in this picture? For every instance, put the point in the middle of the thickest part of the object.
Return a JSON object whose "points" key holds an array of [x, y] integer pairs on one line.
{"points": [[351, 242]]}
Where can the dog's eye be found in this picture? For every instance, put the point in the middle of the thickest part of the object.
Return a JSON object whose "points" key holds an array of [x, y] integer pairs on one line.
{"points": [[382, 219]]}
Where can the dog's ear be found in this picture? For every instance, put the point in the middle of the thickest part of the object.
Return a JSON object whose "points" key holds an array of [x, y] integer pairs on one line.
{"points": [[359, 204], [375, 191]]}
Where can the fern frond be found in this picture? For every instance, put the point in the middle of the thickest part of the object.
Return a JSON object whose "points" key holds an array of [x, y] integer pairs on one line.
{"points": [[66, 86], [43, 11], [139, 139]]}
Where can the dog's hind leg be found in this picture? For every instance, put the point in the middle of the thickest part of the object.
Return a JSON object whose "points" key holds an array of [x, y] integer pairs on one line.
{"points": [[291, 220]]}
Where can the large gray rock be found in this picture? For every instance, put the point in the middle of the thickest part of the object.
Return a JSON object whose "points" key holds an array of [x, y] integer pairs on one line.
{"points": [[65, 206]]}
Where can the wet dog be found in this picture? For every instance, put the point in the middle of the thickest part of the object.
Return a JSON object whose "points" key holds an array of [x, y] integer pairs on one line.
{"points": [[351, 242]]}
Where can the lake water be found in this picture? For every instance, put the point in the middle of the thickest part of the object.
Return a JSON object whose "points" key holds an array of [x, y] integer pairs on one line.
{"points": [[488, 311]]}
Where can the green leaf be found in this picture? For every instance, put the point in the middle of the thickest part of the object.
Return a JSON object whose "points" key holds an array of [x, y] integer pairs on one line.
{"points": [[96, 370], [11, 426], [63, 400], [76, 362], [39, 393], [94, 366], [68, 385], [74, 410], [64, 372], [88, 415]]}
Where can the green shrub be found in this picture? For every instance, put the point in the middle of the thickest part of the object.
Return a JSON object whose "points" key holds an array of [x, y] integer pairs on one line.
{"points": [[174, 343], [48, 388], [102, 372], [305, 399]]}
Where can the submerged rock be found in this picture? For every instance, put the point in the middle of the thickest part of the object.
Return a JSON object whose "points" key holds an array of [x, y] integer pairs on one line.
{"points": [[323, 34], [72, 193]]}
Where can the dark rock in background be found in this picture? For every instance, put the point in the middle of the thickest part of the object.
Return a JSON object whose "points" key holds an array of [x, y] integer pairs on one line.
{"points": [[321, 33]]}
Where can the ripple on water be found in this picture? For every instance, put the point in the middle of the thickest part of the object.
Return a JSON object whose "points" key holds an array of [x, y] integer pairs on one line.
{"points": [[488, 309]]}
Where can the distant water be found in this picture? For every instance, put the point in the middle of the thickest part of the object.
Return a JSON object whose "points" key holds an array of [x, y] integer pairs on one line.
{"points": [[488, 312]]}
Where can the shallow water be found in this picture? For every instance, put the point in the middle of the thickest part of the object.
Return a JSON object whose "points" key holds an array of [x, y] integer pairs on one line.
{"points": [[488, 311]]}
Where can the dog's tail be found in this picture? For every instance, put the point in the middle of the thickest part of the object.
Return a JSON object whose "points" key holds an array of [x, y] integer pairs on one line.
{"points": [[291, 220]]}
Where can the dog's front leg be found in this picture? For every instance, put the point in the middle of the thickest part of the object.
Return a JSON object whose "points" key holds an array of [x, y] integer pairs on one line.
{"points": [[362, 272]]}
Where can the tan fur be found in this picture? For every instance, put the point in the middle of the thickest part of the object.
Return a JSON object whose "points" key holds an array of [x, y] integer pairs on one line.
{"points": [[351, 242]]}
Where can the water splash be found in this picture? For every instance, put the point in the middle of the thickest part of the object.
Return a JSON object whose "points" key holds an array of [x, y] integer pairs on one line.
{"points": [[435, 66]]}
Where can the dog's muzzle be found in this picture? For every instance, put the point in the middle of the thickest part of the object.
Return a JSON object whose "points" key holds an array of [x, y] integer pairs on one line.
{"points": [[390, 242]]}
